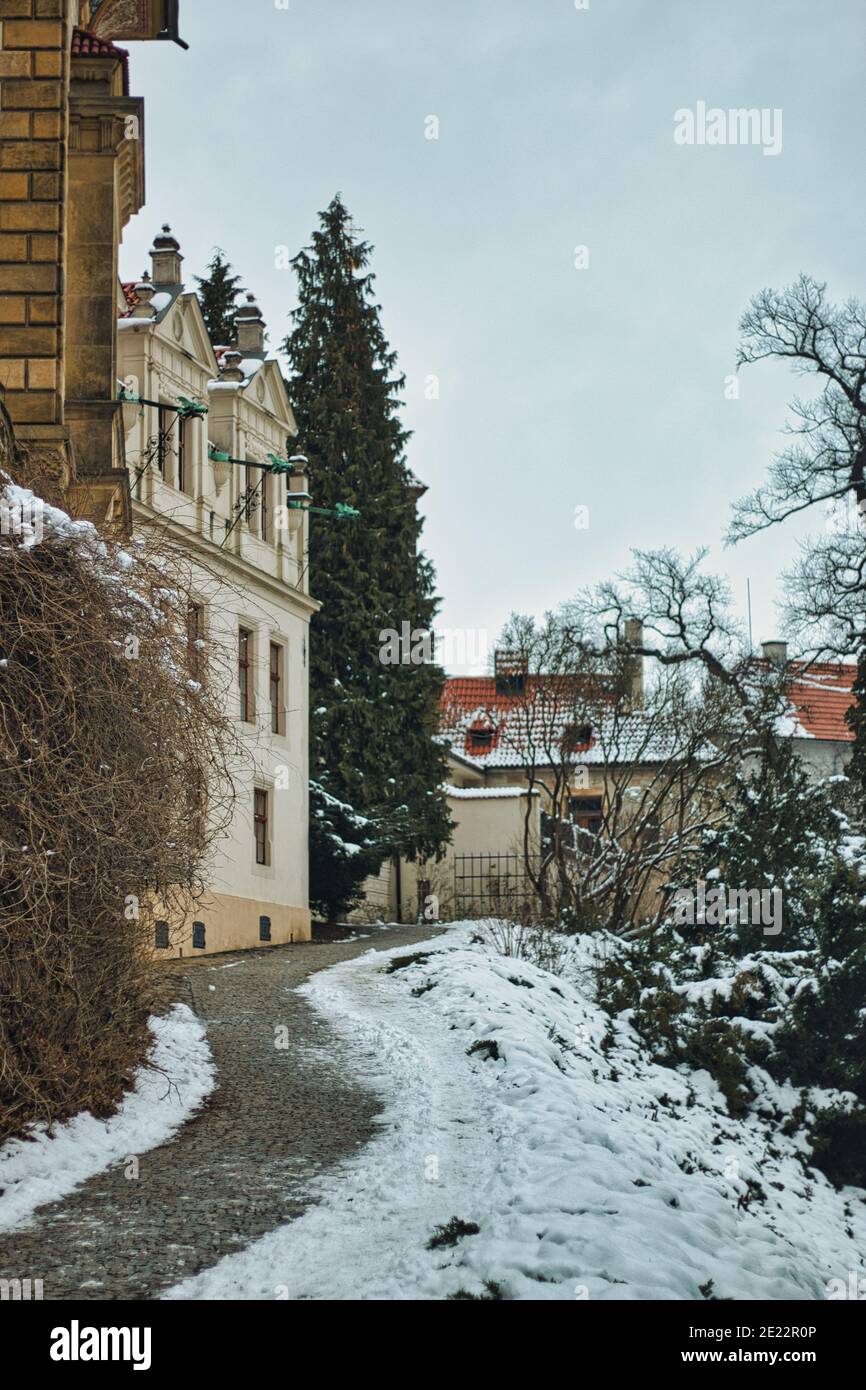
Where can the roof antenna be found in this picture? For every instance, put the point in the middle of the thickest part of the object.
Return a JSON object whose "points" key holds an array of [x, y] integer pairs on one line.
{"points": [[749, 605]]}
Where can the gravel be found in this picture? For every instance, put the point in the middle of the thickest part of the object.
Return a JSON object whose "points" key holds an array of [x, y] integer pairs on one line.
{"points": [[283, 1112]]}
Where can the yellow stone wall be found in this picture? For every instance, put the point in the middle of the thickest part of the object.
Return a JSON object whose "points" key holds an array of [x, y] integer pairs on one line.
{"points": [[34, 115]]}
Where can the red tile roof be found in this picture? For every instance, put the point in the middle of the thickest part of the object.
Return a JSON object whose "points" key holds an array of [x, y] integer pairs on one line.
{"points": [[128, 287], [86, 45], [820, 695], [470, 703]]}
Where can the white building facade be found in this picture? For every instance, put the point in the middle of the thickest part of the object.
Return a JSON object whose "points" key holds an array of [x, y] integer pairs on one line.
{"points": [[194, 476]]}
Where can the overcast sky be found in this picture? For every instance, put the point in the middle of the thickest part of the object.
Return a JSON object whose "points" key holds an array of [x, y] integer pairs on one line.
{"points": [[601, 387]]}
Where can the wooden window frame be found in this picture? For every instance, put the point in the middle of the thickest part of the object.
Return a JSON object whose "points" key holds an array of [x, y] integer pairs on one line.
{"points": [[246, 687], [591, 817], [265, 507], [194, 635], [276, 687], [577, 738], [262, 826], [163, 437], [184, 457]]}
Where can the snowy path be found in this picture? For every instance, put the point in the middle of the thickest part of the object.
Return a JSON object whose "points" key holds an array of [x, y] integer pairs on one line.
{"points": [[582, 1169], [443, 1146], [239, 1168]]}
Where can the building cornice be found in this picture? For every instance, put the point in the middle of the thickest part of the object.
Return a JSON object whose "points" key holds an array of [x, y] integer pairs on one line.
{"points": [[209, 550]]}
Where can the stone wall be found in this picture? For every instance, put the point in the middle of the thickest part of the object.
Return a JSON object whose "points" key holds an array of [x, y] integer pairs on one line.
{"points": [[34, 99]]}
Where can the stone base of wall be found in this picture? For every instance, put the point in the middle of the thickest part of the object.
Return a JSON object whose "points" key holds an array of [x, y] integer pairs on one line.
{"points": [[232, 924]]}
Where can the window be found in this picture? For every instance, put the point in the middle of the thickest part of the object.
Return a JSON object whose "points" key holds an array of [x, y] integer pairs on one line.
{"points": [[276, 689], [260, 821], [480, 737], [164, 418], [264, 929], [198, 807], [161, 936], [576, 738], [251, 499], [587, 812], [194, 639], [184, 461], [198, 936], [245, 673], [266, 507]]}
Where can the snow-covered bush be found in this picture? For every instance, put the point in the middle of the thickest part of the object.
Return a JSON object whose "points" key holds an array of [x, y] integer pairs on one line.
{"points": [[532, 941], [733, 996], [345, 847]]}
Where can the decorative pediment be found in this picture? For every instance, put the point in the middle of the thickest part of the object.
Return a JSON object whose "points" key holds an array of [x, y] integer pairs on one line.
{"points": [[186, 328], [268, 389], [134, 19]]}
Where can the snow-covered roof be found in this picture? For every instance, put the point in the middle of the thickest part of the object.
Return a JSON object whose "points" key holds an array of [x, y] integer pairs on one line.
{"points": [[160, 303], [471, 704], [486, 793], [820, 697]]}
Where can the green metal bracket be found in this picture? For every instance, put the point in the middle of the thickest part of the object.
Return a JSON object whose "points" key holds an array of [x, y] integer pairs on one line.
{"points": [[279, 465], [275, 464], [187, 409], [341, 511]]}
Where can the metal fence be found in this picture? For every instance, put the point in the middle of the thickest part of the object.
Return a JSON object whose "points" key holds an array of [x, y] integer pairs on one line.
{"points": [[493, 885]]}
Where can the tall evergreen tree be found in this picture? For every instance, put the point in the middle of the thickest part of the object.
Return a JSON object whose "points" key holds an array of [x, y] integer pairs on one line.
{"points": [[374, 721], [218, 293], [856, 720]]}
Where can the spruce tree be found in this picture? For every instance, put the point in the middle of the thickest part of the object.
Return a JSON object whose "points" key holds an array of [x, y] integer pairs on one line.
{"points": [[218, 293], [856, 720], [777, 834], [374, 721]]}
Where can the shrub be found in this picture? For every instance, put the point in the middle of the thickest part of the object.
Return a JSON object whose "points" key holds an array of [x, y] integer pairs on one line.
{"points": [[839, 1145], [113, 781]]}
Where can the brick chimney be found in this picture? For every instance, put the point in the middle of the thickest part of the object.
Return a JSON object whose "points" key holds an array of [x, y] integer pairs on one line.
{"points": [[250, 329], [510, 669], [167, 260]]}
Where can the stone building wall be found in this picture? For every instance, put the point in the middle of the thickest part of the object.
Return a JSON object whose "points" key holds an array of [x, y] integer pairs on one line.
{"points": [[35, 42]]}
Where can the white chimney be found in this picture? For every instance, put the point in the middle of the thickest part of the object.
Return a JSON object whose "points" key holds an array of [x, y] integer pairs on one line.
{"points": [[775, 652], [230, 367], [166, 258], [250, 329], [144, 292], [633, 632]]}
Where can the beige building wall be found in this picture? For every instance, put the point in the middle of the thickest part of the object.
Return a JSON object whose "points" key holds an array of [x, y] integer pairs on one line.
{"points": [[486, 822]]}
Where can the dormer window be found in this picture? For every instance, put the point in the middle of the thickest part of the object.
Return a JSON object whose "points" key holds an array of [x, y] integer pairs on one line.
{"points": [[577, 738], [480, 737]]}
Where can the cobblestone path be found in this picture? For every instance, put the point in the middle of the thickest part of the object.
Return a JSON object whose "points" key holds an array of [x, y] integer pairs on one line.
{"points": [[241, 1166]]}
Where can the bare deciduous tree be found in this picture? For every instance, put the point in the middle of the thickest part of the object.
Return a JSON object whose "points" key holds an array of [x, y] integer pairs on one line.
{"points": [[825, 462]]}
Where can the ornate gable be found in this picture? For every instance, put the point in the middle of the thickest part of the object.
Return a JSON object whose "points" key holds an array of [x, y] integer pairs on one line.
{"points": [[135, 19]]}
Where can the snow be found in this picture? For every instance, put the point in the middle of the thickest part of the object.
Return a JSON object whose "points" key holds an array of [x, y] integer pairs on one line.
{"points": [[592, 1171], [47, 1166], [38, 518], [486, 793]]}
